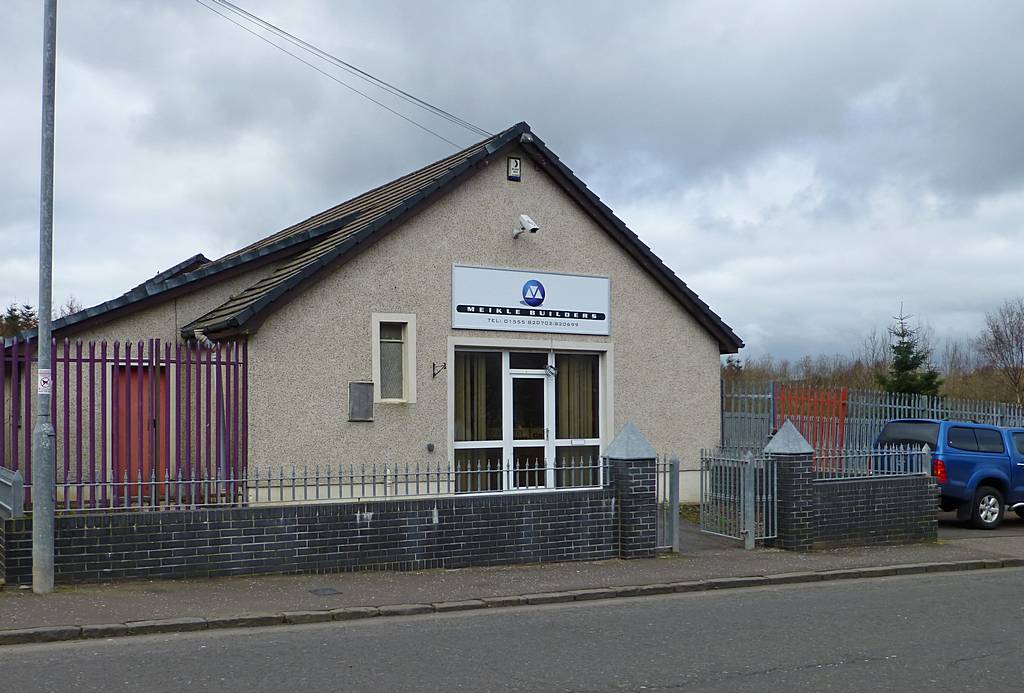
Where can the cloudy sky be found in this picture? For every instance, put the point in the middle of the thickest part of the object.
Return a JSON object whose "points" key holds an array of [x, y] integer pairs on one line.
{"points": [[804, 166]]}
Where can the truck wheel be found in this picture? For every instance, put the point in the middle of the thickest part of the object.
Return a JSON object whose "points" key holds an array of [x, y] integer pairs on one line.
{"points": [[987, 512]]}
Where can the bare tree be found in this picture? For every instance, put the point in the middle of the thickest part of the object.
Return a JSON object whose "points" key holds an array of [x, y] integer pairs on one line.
{"points": [[71, 305], [874, 351], [1002, 343], [958, 357]]}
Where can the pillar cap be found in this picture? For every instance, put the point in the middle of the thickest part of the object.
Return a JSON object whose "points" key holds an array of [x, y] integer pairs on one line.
{"points": [[788, 441], [630, 444]]}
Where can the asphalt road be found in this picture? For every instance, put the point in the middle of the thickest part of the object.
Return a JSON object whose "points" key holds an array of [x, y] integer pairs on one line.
{"points": [[954, 631]]}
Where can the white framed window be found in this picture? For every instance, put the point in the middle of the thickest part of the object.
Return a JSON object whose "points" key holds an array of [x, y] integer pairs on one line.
{"points": [[393, 337], [525, 419]]}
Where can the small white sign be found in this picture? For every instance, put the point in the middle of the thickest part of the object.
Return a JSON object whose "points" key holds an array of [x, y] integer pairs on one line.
{"points": [[523, 301], [515, 168], [44, 383]]}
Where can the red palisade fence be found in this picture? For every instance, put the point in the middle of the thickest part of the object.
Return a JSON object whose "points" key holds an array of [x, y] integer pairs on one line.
{"points": [[818, 413]]}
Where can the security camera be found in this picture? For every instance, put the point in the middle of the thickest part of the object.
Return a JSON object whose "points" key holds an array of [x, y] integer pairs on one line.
{"points": [[525, 224]]}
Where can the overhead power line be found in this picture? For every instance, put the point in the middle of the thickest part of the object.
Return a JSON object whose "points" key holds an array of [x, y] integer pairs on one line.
{"points": [[352, 69], [218, 5]]}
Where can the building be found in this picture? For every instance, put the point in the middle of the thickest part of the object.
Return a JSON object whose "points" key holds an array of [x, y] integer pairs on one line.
{"points": [[430, 321]]}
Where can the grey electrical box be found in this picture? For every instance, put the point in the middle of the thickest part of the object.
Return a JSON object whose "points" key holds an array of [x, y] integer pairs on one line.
{"points": [[360, 401]]}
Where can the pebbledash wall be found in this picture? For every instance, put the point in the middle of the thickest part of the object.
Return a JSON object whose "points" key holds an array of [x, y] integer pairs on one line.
{"points": [[662, 366], [450, 532], [663, 374]]}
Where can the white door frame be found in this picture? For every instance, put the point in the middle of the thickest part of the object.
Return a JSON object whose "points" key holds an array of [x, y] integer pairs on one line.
{"points": [[605, 351]]}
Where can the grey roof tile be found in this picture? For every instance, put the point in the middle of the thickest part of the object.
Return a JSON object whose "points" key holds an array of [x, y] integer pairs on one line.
{"points": [[305, 248], [378, 207]]}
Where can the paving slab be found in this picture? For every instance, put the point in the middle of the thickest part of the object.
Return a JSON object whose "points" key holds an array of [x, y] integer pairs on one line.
{"points": [[855, 573], [690, 585], [36, 635], [165, 625], [307, 616], [598, 593], [405, 609], [733, 582], [548, 598], [465, 605], [245, 621], [350, 613], [104, 630], [793, 578], [508, 600]]}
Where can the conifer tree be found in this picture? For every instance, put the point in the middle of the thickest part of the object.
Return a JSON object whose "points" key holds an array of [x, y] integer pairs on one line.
{"points": [[16, 319], [910, 370]]}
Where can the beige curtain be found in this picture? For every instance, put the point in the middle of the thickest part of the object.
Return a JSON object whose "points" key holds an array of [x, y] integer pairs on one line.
{"points": [[470, 396], [575, 387]]}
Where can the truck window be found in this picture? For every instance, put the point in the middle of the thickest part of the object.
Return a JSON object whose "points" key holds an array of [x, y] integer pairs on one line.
{"points": [[1018, 442], [963, 439], [909, 433], [989, 440]]}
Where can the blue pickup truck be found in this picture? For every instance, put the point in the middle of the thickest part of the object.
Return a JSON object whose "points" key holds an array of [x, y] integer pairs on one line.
{"points": [[979, 468]]}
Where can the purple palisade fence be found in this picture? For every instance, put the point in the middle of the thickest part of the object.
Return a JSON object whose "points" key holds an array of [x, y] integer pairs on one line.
{"points": [[116, 413], [78, 414], [15, 404], [27, 391], [92, 424], [3, 404], [102, 422], [245, 408], [66, 427], [209, 411]]}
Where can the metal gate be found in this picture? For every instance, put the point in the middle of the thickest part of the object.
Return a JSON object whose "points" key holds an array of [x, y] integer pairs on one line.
{"points": [[667, 476], [738, 495]]}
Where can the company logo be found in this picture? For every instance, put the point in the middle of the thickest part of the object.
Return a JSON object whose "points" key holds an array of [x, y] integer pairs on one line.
{"points": [[533, 293]]}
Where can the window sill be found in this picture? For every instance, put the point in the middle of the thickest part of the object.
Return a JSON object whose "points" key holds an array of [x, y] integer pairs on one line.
{"points": [[391, 401]]}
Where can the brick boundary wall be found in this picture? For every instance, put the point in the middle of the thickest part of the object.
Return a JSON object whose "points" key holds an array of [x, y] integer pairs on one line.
{"points": [[446, 532], [635, 485], [876, 512], [880, 511], [798, 516]]}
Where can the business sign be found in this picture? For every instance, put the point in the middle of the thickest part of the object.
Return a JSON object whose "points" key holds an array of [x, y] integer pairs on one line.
{"points": [[519, 301]]}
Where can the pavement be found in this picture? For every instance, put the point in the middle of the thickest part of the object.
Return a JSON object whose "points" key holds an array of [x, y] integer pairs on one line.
{"points": [[703, 559], [892, 633]]}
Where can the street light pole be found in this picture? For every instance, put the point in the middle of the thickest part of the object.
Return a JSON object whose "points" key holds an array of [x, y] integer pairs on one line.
{"points": [[42, 434]]}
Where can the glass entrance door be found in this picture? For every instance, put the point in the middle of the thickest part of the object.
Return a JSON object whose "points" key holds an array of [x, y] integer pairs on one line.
{"points": [[531, 426], [527, 419]]}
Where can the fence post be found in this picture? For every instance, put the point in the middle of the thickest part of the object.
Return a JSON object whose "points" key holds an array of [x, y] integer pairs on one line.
{"points": [[673, 503], [721, 412], [634, 468], [749, 518], [12, 495], [797, 513]]}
